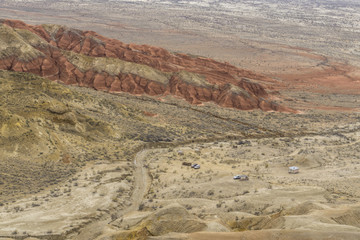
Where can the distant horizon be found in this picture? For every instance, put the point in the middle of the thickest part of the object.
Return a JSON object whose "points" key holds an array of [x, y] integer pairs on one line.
{"points": [[329, 27]]}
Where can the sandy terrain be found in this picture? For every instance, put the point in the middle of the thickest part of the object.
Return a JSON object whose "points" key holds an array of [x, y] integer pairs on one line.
{"points": [[118, 199], [118, 190], [139, 193], [321, 200], [82, 199]]}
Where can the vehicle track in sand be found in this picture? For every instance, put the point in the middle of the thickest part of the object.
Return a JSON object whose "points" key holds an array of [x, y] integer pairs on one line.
{"points": [[142, 181], [103, 228]]}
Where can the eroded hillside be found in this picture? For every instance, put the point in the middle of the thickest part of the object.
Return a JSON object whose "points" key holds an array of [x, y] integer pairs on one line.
{"points": [[100, 146], [85, 58], [86, 163]]}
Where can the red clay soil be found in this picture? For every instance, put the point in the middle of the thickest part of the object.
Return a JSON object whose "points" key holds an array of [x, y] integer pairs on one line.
{"points": [[323, 76], [220, 76], [331, 78]]}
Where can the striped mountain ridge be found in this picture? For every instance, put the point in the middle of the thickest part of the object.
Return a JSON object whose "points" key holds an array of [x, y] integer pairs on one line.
{"points": [[85, 58]]}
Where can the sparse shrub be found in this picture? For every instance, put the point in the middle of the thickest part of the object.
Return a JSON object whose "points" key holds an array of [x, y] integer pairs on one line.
{"points": [[114, 216], [35, 205]]}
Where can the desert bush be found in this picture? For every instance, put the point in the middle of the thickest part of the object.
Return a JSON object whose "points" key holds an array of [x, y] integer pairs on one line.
{"points": [[114, 216], [35, 205]]}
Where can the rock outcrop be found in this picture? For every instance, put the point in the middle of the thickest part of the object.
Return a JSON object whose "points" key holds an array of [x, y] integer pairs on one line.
{"points": [[88, 59]]}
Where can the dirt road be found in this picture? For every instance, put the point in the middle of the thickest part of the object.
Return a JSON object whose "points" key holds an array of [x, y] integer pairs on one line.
{"points": [[96, 230]]}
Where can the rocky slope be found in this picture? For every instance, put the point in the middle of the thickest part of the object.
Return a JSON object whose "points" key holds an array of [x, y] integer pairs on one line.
{"points": [[86, 58]]}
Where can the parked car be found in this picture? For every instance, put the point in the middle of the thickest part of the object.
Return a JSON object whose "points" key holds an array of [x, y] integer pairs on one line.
{"points": [[241, 177], [293, 170], [195, 166]]}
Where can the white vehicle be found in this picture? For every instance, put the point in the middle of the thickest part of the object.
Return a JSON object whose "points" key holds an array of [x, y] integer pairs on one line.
{"points": [[195, 166], [293, 170], [241, 177]]}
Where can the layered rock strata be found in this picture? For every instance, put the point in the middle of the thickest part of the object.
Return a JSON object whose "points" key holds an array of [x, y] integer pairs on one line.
{"points": [[88, 59]]}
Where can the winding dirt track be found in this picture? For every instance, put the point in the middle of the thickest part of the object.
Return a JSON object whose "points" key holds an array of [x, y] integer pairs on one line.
{"points": [[142, 180], [96, 230]]}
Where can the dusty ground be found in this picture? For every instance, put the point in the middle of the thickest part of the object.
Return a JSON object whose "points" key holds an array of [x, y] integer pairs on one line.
{"points": [[319, 198], [120, 186], [99, 195], [80, 200]]}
